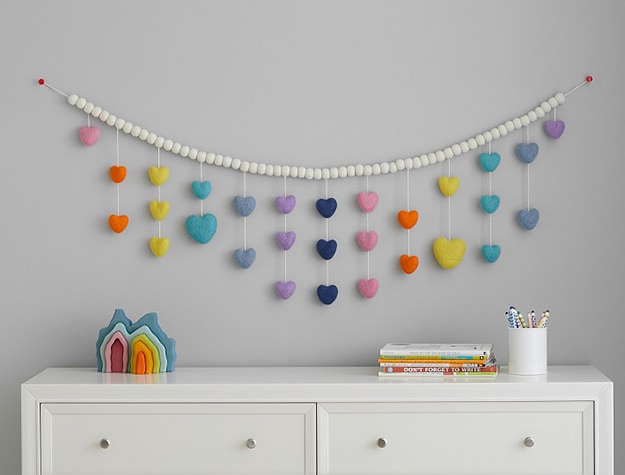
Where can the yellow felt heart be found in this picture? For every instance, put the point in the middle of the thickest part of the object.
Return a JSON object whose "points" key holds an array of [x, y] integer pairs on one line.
{"points": [[158, 175], [448, 253], [448, 185], [159, 246], [159, 209]]}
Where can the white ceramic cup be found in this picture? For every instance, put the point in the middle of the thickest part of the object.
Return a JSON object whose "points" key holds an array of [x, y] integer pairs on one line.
{"points": [[527, 351]]}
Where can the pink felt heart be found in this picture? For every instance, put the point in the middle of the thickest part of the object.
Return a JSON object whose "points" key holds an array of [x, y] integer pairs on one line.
{"points": [[367, 240], [89, 135], [367, 201], [368, 287]]}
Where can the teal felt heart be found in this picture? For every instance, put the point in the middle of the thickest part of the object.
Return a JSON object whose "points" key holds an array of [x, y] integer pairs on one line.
{"points": [[202, 228], [490, 203], [244, 205], [245, 257], [491, 252], [527, 152], [489, 161], [327, 293], [528, 218], [201, 189]]}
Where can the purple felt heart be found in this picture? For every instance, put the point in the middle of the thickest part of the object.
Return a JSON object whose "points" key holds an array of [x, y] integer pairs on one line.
{"points": [[327, 293], [285, 204], [326, 207], [528, 218], [554, 128], [285, 239], [285, 289], [527, 152]]}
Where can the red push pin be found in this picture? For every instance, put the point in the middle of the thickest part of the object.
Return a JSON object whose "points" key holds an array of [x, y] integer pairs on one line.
{"points": [[41, 81], [589, 78]]}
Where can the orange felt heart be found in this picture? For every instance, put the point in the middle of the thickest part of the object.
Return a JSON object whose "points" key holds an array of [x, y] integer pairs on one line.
{"points": [[407, 219], [408, 263], [118, 222], [118, 174]]}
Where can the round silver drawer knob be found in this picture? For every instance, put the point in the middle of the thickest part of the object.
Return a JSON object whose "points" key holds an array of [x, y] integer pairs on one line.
{"points": [[250, 443], [529, 442], [382, 442], [105, 443]]}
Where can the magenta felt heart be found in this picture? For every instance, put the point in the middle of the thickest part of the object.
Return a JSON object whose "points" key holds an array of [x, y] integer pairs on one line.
{"points": [[554, 128], [285, 204], [285, 240], [368, 287], [367, 201], [285, 289], [367, 240], [89, 135]]}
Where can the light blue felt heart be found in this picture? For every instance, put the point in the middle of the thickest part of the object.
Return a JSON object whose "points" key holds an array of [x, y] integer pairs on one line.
{"points": [[528, 218], [491, 252], [489, 161], [490, 203], [201, 189], [326, 207], [326, 249], [527, 152], [327, 293], [244, 205], [202, 228], [245, 257]]}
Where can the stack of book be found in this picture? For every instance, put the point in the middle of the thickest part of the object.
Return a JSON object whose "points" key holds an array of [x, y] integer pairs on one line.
{"points": [[438, 360]]}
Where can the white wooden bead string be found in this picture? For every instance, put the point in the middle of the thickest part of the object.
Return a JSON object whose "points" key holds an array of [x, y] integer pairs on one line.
{"points": [[333, 172]]}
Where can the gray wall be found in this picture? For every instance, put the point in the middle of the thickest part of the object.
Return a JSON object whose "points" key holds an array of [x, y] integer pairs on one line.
{"points": [[312, 84]]}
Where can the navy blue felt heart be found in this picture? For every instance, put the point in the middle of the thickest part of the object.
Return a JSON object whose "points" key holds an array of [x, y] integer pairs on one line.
{"points": [[527, 152], [327, 293], [528, 219], [326, 249], [326, 207]]}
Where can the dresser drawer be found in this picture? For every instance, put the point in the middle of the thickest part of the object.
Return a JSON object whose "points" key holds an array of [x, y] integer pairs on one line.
{"points": [[163, 439], [460, 438]]}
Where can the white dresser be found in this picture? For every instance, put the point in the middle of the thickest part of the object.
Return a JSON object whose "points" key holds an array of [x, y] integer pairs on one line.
{"points": [[326, 421]]}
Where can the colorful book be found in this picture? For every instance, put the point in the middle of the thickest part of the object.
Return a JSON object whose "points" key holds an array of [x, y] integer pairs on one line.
{"points": [[437, 363], [437, 350], [489, 371]]}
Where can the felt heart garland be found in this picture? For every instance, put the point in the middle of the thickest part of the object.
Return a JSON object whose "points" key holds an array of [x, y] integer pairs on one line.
{"points": [[244, 205], [490, 203], [326, 248], [202, 227], [285, 204], [407, 219], [447, 251], [117, 222], [158, 209], [527, 153], [367, 240]]}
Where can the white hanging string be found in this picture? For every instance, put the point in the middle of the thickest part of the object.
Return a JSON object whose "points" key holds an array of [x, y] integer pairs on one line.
{"points": [[333, 172], [408, 208], [327, 238], [117, 163], [201, 180], [158, 188], [528, 169], [245, 217], [285, 230], [490, 193], [368, 230], [449, 199]]}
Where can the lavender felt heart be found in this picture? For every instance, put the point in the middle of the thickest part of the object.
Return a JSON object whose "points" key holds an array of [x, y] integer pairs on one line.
{"points": [[202, 228], [367, 201], [367, 240], [326, 249], [490, 203], [285, 239], [244, 205], [285, 204], [527, 152], [326, 207], [201, 189], [491, 252], [89, 135], [489, 161], [285, 289], [245, 257], [554, 128], [528, 219], [368, 287], [327, 293]]}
